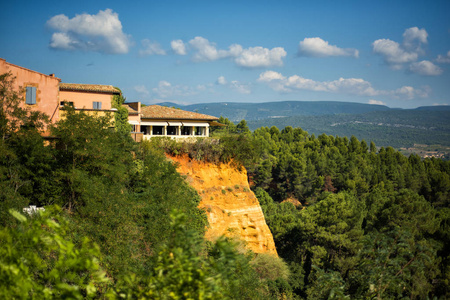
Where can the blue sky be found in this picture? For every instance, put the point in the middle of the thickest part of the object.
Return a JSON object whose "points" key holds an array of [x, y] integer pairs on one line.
{"points": [[395, 53]]}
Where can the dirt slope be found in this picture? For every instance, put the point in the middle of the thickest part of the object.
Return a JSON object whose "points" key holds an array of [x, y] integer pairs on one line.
{"points": [[231, 207]]}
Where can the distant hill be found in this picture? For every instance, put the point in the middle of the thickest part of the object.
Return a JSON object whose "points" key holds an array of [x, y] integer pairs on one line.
{"points": [[435, 107], [385, 126], [235, 111], [396, 128]]}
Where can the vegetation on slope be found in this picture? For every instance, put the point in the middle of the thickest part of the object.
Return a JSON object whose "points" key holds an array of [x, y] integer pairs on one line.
{"points": [[369, 224], [120, 222]]}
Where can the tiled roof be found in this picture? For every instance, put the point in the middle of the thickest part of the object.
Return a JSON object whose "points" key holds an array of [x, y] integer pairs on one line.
{"points": [[131, 110], [98, 88], [163, 112]]}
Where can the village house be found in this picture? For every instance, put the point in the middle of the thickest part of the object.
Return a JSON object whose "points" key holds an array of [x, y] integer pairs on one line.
{"points": [[47, 94], [39, 91], [90, 98], [156, 121]]}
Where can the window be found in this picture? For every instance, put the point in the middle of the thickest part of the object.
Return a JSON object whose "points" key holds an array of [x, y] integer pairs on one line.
{"points": [[66, 103], [186, 130], [30, 97], [97, 105], [172, 130], [199, 130], [157, 130]]}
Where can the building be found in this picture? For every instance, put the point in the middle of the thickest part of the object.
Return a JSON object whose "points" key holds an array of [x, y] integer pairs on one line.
{"points": [[156, 120], [46, 93], [40, 92], [90, 98]]}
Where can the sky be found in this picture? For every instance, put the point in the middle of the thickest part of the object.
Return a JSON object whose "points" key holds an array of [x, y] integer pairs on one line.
{"points": [[394, 53]]}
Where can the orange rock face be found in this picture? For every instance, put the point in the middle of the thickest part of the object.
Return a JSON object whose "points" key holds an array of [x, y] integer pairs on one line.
{"points": [[232, 208]]}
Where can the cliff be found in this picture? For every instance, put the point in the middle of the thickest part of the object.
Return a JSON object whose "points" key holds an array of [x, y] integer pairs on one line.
{"points": [[232, 208]]}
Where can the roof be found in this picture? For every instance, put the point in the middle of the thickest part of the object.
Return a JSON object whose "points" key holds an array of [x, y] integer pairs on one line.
{"points": [[98, 88], [131, 110], [163, 112]]}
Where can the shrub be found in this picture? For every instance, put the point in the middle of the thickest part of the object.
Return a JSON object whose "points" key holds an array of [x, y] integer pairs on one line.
{"points": [[38, 260]]}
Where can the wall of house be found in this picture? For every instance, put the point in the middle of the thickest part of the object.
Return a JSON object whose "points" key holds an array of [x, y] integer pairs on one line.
{"points": [[47, 88], [84, 100]]}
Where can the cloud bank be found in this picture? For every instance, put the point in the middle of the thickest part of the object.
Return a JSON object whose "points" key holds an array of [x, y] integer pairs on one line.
{"points": [[100, 33], [352, 86], [252, 57]]}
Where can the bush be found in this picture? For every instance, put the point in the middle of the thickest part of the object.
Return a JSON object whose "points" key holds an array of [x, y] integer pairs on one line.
{"points": [[38, 260]]}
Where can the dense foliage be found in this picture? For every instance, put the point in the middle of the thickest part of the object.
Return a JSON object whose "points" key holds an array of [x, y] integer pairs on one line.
{"points": [[365, 224], [128, 225], [350, 221]]}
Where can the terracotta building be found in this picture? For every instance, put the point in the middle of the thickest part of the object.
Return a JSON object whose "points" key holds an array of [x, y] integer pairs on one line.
{"points": [[39, 91], [46, 93]]}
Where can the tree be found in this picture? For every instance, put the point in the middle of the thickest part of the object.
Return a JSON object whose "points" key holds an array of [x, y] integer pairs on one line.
{"points": [[242, 127], [23, 159], [13, 115], [183, 268], [121, 116]]}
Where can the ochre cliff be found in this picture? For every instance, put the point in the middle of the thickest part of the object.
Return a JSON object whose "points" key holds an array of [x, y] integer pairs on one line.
{"points": [[232, 208]]}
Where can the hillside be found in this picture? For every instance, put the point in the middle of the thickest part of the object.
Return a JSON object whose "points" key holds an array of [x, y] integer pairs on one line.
{"points": [[231, 207], [257, 111], [399, 128]]}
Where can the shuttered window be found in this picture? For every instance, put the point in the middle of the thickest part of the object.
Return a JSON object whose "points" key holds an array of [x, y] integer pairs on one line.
{"points": [[30, 97], [97, 105]]}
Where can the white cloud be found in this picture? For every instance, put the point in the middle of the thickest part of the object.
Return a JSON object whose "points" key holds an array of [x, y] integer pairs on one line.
{"points": [[206, 51], [413, 38], [221, 80], [317, 47], [101, 33], [260, 57], [392, 52], [253, 57], [240, 87], [151, 48], [397, 55], [178, 47], [444, 59], [235, 85], [142, 90], [270, 75], [353, 86], [376, 102], [166, 90], [426, 68]]}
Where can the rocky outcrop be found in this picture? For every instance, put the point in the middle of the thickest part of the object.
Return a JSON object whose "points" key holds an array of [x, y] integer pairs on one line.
{"points": [[232, 208]]}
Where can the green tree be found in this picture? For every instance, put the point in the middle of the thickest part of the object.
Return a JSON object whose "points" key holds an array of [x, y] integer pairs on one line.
{"points": [[24, 162], [182, 269], [121, 116]]}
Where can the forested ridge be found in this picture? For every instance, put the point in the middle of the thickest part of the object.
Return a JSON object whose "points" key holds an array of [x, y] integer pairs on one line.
{"points": [[350, 220], [395, 128], [371, 224]]}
